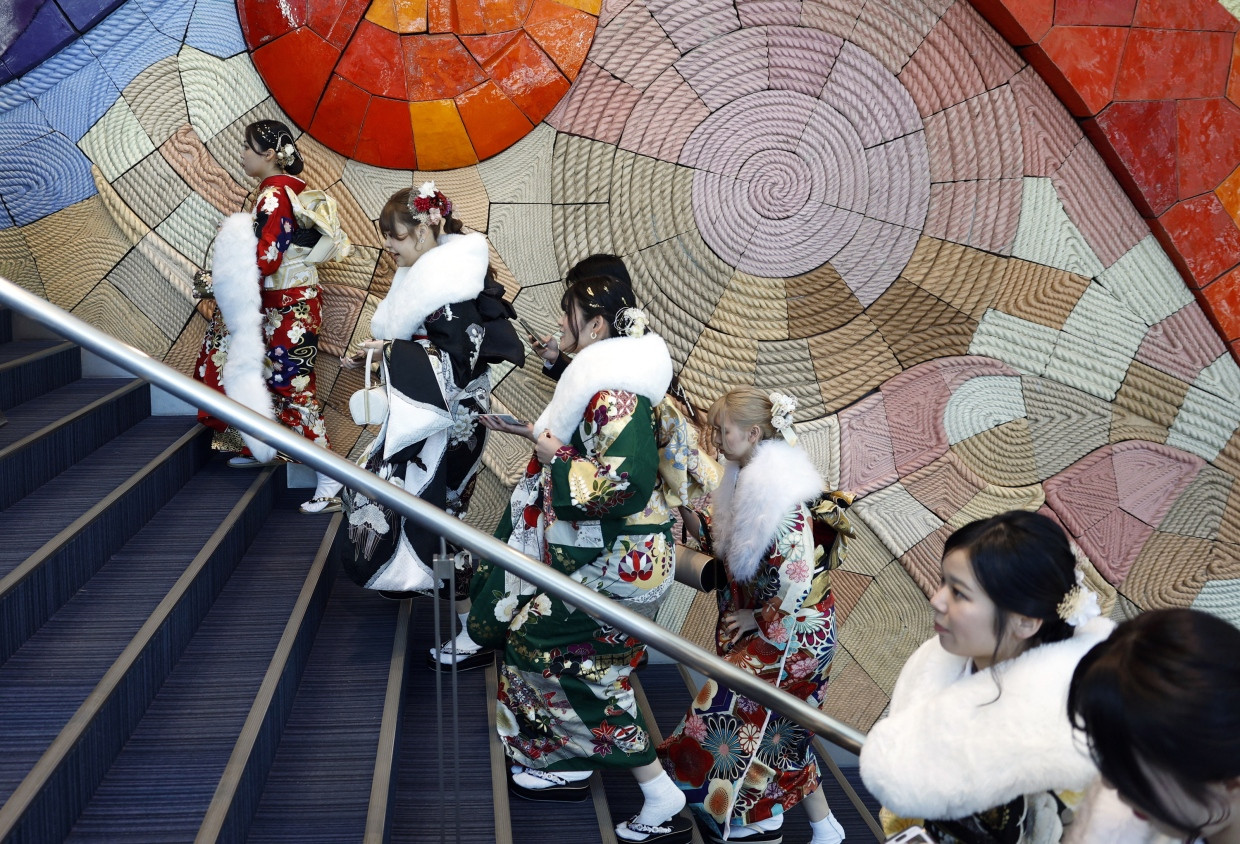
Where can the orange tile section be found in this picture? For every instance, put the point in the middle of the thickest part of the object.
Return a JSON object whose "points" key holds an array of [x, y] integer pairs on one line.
{"points": [[503, 15], [527, 75], [439, 136], [1223, 297], [563, 33], [410, 16], [1229, 194], [440, 16], [493, 121], [469, 19], [592, 7]]}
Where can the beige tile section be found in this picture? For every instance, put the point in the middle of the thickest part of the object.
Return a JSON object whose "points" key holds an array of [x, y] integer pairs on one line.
{"points": [[651, 201], [521, 173], [158, 100], [866, 552], [124, 217], [918, 326], [117, 141], [1038, 293], [191, 228], [17, 262], [98, 244], [852, 695], [580, 230], [998, 499], [371, 186], [108, 309], [718, 363], [355, 271], [171, 265], [581, 170], [818, 302], [324, 167], [753, 307], [523, 236], [1169, 571], [152, 189], [821, 439], [889, 622], [1002, 455], [850, 361], [227, 143], [184, 352], [968, 279], [342, 307], [191, 159], [218, 91], [465, 188], [165, 305], [1146, 404], [786, 366]]}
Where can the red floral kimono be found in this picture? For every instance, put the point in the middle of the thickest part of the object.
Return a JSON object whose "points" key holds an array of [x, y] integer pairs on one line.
{"points": [[292, 310]]}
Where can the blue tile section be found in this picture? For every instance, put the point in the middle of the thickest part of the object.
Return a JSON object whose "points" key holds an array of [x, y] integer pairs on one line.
{"points": [[21, 125], [77, 100], [127, 43], [48, 32], [42, 177], [171, 17], [215, 28], [15, 16]]}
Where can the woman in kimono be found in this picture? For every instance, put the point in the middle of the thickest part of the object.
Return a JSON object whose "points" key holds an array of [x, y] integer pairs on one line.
{"points": [[740, 765], [591, 505], [437, 330], [261, 344], [977, 744]]}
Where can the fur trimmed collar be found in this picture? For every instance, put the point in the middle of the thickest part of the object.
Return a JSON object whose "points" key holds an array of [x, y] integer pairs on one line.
{"points": [[753, 500], [638, 365], [454, 271], [954, 744]]}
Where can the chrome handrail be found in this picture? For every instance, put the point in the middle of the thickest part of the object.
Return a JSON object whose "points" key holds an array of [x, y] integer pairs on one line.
{"points": [[427, 515]]}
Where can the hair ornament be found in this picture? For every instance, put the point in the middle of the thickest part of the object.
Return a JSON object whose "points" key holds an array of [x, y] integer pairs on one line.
{"points": [[286, 155], [428, 205], [632, 322], [782, 408], [1080, 604]]}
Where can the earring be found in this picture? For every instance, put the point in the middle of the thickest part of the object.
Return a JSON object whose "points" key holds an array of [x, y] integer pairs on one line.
{"points": [[593, 335]]}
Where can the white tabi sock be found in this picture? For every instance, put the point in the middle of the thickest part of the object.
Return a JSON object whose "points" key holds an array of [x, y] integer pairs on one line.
{"points": [[769, 825], [663, 801], [827, 831], [526, 778]]}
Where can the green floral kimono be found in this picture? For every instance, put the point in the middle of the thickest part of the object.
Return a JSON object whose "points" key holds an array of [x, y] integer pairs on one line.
{"points": [[598, 514]]}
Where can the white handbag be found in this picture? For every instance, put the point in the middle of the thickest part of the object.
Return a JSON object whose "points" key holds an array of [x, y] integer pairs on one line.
{"points": [[369, 406]]}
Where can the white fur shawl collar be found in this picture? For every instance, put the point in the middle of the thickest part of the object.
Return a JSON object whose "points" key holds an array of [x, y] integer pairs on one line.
{"points": [[454, 271], [949, 748], [751, 502], [638, 365]]}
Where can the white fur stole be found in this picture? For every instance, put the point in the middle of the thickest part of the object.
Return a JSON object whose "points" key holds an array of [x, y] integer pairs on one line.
{"points": [[954, 744], [640, 365], [454, 271], [752, 501], [238, 294]]}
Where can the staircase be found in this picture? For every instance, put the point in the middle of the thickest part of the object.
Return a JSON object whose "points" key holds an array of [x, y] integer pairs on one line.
{"points": [[181, 660]]}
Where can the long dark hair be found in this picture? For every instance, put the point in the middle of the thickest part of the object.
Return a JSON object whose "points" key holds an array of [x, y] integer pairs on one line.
{"points": [[272, 134], [598, 295], [1024, 563], [1164, 690], [600, 263]]}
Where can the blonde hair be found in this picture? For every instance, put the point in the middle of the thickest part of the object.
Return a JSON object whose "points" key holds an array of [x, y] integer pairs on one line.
{"points": [[745, 407]]}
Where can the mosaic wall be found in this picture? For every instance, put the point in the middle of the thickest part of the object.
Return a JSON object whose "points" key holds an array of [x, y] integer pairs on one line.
{"points": [[876, 205]]}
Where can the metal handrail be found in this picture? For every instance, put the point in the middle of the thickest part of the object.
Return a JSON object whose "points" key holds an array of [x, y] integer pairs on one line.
{"points": [[427, 515]]}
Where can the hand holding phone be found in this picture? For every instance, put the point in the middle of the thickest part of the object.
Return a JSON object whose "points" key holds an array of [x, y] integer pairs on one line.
{"points": [[912, 835], [507, 423]]}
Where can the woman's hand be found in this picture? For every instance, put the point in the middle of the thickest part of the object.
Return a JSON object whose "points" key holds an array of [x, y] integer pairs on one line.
{"points": [[548, 348], [494, 422], [546, 446], [690, 520], [358, 358], [738, 623]]}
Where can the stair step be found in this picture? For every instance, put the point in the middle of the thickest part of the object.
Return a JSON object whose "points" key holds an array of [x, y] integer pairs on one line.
{"points": [[53, 540], [48, 678], [160, 785], [48, 434], [6, 325], [417, 813], [30, 368], [318, 789]]}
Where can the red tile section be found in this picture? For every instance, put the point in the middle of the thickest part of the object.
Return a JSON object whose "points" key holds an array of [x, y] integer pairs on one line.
{"points": [[1094, 12], [564, 34], [386, 136], [493, 120], [529, 77], [1184, 14], [374, 60], [1021, 22], [1081, 64], [1209, 132], [1138, 142], [1168, 64], [1233, 81], [1202, 236], [339, 115], [263, 22], [438, 67], [335, 20], [1223, 298], [296, 68]]}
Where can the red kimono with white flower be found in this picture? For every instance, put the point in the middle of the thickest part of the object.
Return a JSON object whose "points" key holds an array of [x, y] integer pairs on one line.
{"points": [[293, 311], [736, 761]]}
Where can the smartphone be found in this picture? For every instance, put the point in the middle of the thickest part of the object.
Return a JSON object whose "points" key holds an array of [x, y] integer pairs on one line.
{"points": [[507, 418], [912, 835], [534, 336]]}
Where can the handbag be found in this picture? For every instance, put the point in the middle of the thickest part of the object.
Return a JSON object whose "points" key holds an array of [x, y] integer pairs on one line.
{"points": [[369, 406]]}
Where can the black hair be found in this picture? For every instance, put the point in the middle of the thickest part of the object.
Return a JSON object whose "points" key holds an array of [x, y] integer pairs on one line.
{"points": [[598, 295], [1164, 690], [611, 266], [1024, 563], [266, 135], [396, 210]]}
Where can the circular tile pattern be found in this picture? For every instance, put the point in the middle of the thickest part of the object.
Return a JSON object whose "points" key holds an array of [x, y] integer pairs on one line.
{"points": [[431, 85]]}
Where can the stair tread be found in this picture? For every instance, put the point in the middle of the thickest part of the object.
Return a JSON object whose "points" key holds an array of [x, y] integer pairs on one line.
{"points": [[319, 785], [36, 414], [15, 349], [48, 678], [161, 784], [30, 522]]}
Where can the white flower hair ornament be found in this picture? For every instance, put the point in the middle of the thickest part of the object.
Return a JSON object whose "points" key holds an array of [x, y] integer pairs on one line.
{"points": [[782, 408], [286, 155], [428, 205], [632, 322], [1080, 604]]}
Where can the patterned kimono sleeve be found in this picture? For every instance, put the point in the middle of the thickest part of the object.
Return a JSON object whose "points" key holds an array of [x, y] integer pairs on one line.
{"points": [[791, 563], [612, 470], [274, 225]]}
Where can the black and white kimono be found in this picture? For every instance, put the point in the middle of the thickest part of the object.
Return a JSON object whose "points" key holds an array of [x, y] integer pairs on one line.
{"points": [[445, 321]]}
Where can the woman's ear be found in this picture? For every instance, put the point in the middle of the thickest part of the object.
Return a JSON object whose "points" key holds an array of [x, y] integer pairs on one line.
{"points": [[1023, 627], [754, 435]]}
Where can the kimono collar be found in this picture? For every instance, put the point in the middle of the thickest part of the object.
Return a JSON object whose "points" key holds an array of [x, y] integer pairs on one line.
{"points": [[454, 271], [753, 501], [283, 180], [640, 365]]}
